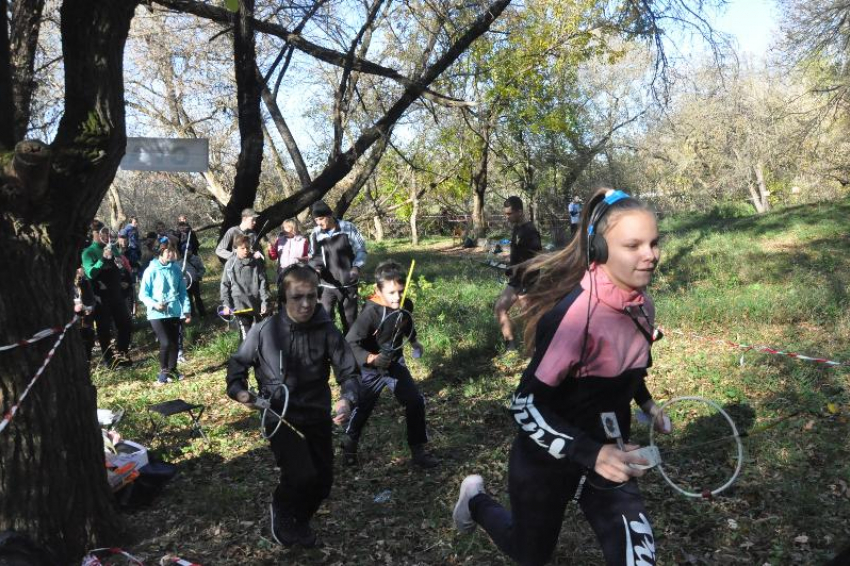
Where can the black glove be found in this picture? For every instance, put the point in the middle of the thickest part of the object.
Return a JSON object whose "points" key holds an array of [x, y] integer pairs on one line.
{"points": [[383, 361]]}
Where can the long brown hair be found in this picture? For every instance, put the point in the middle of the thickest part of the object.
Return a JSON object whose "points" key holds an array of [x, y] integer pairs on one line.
{"points": [[558, 273]]}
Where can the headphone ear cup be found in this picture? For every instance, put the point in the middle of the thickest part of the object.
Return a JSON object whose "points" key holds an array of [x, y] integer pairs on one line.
{"points": [[597, 249]]}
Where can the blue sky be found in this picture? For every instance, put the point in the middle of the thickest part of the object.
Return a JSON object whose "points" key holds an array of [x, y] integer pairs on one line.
{"points": [[754, 23]]}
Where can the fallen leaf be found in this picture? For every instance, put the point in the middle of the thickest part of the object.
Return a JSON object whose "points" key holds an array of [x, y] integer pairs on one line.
{"points": [[802, 539]]}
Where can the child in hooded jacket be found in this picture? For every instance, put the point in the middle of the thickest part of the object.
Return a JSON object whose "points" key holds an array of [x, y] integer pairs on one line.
{"points": [[292, 354], [377, 338], [243, 286]]}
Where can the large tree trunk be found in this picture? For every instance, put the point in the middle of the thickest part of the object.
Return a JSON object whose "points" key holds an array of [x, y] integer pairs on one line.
{"points": [[248, 92], [52, 479], [26, 18]]}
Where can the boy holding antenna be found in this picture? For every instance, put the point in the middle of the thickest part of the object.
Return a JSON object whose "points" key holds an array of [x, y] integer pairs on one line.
{"points": [[292, 354], [243, 286], [377, 339]]}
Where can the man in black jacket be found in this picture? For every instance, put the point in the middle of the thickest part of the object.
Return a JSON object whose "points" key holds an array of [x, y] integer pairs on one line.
{"points": [[292, 354], [377, 339]]}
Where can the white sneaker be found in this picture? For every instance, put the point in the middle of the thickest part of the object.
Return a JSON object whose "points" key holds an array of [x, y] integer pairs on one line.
{"points": [[469, 488]]}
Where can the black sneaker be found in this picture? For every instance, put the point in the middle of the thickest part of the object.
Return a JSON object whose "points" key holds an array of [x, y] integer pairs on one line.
{"points": [[286, 531], [349, 451], [422, 458]]}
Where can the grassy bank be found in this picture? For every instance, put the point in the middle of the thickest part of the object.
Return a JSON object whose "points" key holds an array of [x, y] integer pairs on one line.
{"points": [[778, 280]]}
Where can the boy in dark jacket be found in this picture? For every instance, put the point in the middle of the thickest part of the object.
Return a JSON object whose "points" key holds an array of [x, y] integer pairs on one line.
{"points": [[244, 287], [377, 339], [293, 352]]}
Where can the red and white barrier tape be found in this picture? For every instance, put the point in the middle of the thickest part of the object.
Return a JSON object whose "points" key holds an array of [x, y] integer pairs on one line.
{"points": [[40, 335], [10, 414], [91, 560], [760, 349]]}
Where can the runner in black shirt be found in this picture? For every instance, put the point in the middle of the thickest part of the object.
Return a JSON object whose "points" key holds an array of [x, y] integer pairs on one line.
{"points": [[525, 244]]}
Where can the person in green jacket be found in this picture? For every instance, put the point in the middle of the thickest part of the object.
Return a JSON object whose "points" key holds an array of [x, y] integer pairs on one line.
{"points": [[104, 269], [163, 292]]}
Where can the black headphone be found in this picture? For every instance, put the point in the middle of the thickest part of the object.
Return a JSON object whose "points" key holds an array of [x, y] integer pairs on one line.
{"points": [[281, 286], [597, 247]]}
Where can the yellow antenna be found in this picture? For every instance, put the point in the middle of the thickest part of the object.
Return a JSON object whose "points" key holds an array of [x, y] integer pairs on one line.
{"points": [[407, 283]]}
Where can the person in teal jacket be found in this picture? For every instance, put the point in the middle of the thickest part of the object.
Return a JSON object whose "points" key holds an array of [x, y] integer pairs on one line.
{"points": [[163, 292]]}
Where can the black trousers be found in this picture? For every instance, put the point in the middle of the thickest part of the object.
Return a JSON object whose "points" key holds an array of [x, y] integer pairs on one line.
{"points": [[401, 383], [108, 312], [167, 331], [344, 300], [306, 468], [540, 488], [86, 326], [195, 300]]}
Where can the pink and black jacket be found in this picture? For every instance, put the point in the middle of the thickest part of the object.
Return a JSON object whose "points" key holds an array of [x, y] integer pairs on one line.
{"points": [[563, 391]]}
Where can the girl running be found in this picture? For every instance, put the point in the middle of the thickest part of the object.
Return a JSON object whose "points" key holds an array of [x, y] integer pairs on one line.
{"points": [[590, 328], [163, 291]]}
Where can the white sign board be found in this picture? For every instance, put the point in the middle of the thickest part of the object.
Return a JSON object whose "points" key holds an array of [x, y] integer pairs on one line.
{"points": [[166, 154]]}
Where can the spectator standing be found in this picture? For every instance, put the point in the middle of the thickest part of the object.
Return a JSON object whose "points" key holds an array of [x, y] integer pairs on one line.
{"points": [[227, 246], [338, 252]]}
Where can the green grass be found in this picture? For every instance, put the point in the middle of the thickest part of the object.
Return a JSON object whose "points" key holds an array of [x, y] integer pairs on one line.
{"points": [[779, 279]]}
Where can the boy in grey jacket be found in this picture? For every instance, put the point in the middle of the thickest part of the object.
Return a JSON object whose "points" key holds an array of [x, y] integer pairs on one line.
{"points": [[244, 287]]}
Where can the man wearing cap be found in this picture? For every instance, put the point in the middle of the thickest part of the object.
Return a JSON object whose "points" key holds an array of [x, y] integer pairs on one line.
{"points": [[337, 251], [225, 247]]}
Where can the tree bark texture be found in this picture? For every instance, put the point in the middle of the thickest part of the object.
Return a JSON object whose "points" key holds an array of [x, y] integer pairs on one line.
{"points": [[52, 479], [248, 94], [26, 22], [7, 106]]}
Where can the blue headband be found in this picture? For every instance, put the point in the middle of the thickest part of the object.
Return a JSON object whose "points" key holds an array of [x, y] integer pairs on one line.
{"points": [[610, 198]]}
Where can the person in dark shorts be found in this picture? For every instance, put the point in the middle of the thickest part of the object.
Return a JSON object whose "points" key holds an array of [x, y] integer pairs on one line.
{"points": [[525, 244]]}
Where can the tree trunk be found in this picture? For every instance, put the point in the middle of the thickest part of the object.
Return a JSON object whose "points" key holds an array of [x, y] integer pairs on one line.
{"points": [[414, 213], [248, 90], [26, 22], [759, 191], [479, 184], [116, 209], [52, 479], [379, 229], [7, 105]]}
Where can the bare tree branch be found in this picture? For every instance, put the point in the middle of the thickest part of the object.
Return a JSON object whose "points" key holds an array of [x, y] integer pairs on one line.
{"points": [[314, 50], [339, 167]]}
